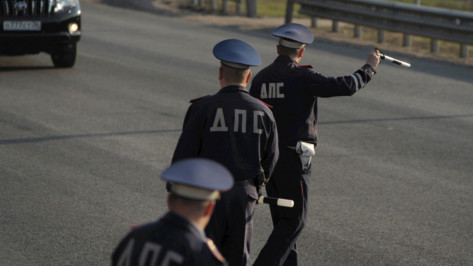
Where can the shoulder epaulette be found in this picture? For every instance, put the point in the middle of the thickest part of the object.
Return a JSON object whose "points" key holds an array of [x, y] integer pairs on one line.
{"points": [[196, 99], [306, 66], [270, 106], [134, 226], [213, 249]]}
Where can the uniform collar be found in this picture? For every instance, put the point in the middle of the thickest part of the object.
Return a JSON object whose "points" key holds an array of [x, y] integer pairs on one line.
{"points": [[233, 88], [176, 218]]}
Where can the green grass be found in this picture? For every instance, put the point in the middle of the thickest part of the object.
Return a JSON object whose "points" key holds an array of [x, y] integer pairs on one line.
{"points": [[267, 8], [272, 8]]}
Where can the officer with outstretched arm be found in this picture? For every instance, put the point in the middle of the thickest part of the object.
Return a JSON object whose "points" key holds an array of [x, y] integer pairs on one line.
{"points": [[293, 89]]}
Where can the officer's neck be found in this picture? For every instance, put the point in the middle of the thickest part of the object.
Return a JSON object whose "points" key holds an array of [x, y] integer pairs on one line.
{"points": [[224, 84], [199, 221], [297, 58]]}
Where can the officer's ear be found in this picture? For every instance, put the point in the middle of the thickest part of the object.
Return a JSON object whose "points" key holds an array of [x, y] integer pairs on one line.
{"points": [[209, 208], [248, 77], [220, 74], [301, 52], [169, 200]]}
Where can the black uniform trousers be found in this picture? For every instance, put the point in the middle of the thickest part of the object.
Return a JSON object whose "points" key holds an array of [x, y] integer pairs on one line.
{"points": [[288, 181], [231, 224]]}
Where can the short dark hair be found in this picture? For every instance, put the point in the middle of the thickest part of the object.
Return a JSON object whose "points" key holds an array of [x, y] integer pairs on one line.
{"points": [[196, 204], [234, 74], [288, 51]]}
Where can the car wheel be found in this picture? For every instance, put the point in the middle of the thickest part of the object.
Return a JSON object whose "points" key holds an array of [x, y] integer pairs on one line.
{"points": [[65, 56]]}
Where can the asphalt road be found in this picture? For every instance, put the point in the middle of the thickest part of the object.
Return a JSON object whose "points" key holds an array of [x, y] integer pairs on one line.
{"points": [[81, 149]]}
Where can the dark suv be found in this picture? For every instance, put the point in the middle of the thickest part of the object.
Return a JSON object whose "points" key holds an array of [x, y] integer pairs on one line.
{"points": [[33, 26]]}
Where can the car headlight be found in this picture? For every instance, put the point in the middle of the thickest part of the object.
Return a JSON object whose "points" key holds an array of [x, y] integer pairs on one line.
{"points": [[65, 6]]}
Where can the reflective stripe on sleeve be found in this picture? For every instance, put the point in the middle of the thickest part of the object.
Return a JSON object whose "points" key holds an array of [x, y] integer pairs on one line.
{"points": [[358, 81]]}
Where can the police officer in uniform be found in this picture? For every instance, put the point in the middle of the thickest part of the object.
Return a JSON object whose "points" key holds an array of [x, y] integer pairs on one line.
{"points": [[293, 90], [239, 131], [178, 238]]}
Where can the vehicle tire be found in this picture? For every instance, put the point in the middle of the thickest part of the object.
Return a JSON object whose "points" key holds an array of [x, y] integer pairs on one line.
{"points": [[65, 56]]}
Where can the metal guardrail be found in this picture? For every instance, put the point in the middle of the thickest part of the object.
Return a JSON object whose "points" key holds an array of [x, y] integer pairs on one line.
{"points": [[251, 6], [435, 23]]}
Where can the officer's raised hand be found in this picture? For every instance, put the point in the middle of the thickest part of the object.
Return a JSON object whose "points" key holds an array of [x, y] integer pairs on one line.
{"points": [[373, 59]]}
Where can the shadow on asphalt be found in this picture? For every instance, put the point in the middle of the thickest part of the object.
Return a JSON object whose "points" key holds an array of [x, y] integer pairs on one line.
{"points": [[25, 68]]}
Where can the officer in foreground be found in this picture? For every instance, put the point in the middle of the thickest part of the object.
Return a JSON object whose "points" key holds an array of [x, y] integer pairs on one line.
{"points": [[178, 238], [293, 90], [239, 131]]}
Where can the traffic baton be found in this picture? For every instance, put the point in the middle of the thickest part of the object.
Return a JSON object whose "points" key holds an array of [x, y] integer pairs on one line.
{"points": [[393, 60], [276, 201]]}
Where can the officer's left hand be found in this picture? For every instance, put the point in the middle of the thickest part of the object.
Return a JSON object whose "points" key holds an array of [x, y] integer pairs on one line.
{"points": [[373, 59]]}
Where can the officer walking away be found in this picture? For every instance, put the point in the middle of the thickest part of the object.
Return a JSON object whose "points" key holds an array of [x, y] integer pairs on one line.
{"points": [[293, 90], [178, 238], [238, 131]]}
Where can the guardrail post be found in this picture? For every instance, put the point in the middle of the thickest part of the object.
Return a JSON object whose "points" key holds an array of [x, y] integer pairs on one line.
{"points": [[406, 40], [434, 45], [335, 26], [357, 32], [464, 51], [225, 7], [239, 7], [252, 8], [213, 5], [381, 36], [289, 11], [313, 22]]}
